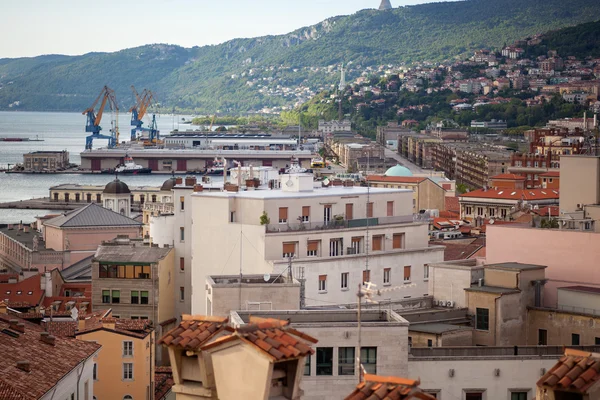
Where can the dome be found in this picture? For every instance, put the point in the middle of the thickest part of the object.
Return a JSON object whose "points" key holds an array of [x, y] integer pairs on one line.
{"points": [[168, 185], [398, 170], [116, 187]]}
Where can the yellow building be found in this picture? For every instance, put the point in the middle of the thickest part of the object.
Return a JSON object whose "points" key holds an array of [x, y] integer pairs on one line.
{"points": [[124, 368], [427, 195]]}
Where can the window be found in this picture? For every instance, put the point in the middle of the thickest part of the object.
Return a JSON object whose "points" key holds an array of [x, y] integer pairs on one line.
{"points": [[322, 283], [398, 240], [232, 216], [154, 198], [324, 361], [503, 213], [482, 319], [407, 273], [473, 396], [181, 293], [390, 208], [518, 396], [492, 212], [289, 250], [468, 210], [181, 234], [368, 358], [409, 342], [542, 337], [144, 297], [127, 371], [344, 280], [378, 243], [95, 372], [369, 210], [425, 272], [312, 248], [575, 339], [99, 198], [480, 211], [305, 213], [349, 211], [597, 341], [127, 348], [336, 247], [307, 365], [181, 264], [327, 213], [127, 397], [182, 203], [366, 276], [115, 296], [283, 215], [357, 244], [387, 273], [429, 343], [346, 360], [135, 297]]}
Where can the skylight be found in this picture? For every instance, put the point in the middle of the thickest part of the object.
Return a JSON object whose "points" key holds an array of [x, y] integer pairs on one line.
{"points": [[500, 192], [543, 192], [513, 193]]}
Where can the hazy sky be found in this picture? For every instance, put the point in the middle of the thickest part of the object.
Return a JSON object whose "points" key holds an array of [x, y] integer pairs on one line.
{"points": [[34, 27]]}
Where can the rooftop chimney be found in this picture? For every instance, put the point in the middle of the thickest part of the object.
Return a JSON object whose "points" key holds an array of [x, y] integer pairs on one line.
{"points": [[3, 307], [198, 188], [48, 338], [24, 365], [178, 180], [190, 180], [15, 325]]}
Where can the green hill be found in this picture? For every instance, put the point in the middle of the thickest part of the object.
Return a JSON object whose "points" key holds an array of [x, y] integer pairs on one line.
{"points": [[247, 74]]}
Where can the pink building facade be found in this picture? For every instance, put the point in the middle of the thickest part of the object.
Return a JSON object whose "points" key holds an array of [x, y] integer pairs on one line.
{"points": [[571, 256]]}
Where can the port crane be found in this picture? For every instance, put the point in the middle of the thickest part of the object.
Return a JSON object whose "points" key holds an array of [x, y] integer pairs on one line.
{"points": [[93, 119], [138, 111]]}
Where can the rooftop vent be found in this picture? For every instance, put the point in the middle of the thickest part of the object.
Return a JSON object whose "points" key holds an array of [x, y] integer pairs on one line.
{"points": [[24, 365], [48, 338], [15, 325]]}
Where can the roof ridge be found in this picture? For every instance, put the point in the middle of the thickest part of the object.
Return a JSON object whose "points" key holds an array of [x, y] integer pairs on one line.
{"points": [[392, 380]]}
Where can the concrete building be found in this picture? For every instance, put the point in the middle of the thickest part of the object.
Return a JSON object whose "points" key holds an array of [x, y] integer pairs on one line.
{"points": [[75, 193], [326, 127], [46, 160], [391, 133], [37, 365], [325, 231], [448, 280], [580, 203], [136, 282], [226, 293], [475, 167], [439, 335], [125, 366]]}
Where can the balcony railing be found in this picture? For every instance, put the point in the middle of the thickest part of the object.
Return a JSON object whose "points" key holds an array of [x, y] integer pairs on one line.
{"points": [[497, 351], [345, 224], [163, 208]]}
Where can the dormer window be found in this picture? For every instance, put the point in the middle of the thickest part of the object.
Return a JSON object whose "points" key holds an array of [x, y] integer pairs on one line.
{"points": [[30, 293], [19, 292]]}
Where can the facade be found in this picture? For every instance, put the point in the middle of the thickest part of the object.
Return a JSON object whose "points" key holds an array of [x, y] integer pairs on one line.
{"points": [[116, 196], [335, 126], [493, 124], [230, 141], [391, 133], [581, 200], [475, 167], [74, 193], [46, 160], [326, 232], [439, 335], [448, 280], [550, 180], [125, 366], [136, 282], [427, 195], [37, 365]]}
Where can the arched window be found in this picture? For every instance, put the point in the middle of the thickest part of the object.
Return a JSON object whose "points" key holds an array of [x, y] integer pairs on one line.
{"points": [[127, 397]]}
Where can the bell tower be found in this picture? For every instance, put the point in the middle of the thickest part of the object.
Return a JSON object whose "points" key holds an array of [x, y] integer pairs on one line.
{"points": [[385, 5]]}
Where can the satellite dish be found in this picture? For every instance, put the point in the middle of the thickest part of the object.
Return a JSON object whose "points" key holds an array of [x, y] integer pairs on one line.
{"points": [[267, 277]]}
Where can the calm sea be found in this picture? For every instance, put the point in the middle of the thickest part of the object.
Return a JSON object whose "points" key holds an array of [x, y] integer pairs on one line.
{"points": [[60, 131]]}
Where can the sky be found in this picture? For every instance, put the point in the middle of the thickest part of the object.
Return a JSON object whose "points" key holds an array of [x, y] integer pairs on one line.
{"points": [[35, 27]]}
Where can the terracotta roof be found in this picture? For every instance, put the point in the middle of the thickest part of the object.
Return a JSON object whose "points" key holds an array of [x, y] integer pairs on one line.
{"points": [[443, 223], [512, 177], [389, 388], [163, 382], [26, 293], [395, 179], [553, 210], [193, 332], [576, 371], [452, 204], [61, 303], [48, 363], [61, 328], [449, 214], [455, 250], [5, 277], [130, 327], [513, 194], [272, 337], [550, 174], [7, 392]]}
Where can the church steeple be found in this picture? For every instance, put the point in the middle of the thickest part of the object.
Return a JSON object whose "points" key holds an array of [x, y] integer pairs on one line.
{"points": [[385, 5]]}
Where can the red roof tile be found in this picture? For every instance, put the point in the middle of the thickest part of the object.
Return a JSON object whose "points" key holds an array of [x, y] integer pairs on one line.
{"points": [[193, 332], [452, 204], [48, 363], [553, 211], [512, 194], [511, 177], [26, 293], [550, 174], [576, 371], [389, 388], [449, 214], [163, 382], [395, 179], [61, 328]]}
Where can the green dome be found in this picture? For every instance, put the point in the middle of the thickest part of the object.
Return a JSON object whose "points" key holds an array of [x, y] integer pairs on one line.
{"points": [[398, 170]]}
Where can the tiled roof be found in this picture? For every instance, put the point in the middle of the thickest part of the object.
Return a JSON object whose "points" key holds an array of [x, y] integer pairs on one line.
{"points": [[126, 253], [460, 250], [193, 332], [7, 392], [272, 337], [512, 194], [389, 388], [163, 382], [395, 179], [26, 293], [130, 327], [452, 204], [48, 363], [62, 302], [553, 211], [61, 328], [90, 216], [576, 371], [449, 214], [512, 177]]}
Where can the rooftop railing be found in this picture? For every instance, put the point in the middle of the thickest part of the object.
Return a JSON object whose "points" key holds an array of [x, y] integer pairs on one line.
{"points": [[499, 351], [346, 224]]}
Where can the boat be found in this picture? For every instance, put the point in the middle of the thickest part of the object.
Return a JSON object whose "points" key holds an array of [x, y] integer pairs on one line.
{"points": [[21, 139], [295, 167], [130, 167], [216, 168]]}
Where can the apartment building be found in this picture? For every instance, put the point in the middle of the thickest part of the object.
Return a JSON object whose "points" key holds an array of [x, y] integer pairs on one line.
{"points": [[427, 195], [475, 167], [335, 126], [325, 233], [136, 282]]}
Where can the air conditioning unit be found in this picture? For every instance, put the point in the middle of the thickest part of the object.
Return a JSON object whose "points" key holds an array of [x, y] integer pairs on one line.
{"points": [[450, 304], [435, 302], [442, 303]]}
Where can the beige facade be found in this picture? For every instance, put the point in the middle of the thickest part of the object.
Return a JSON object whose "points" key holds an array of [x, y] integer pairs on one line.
{"points": [[46, 160], [427, 195], [448, 280], [553, 327], [580, 180], [439, 335], [73, 193], [324, 231], [475, 168]]}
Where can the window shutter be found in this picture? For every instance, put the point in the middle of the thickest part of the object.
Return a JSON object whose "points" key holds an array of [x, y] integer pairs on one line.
{"points": [[366, 276], [289, 248], [377, 243], [356, 239], [349, 211], [322, 277], [369, 210], [407, 273], [283, 213], [306, 211], [397, 241], [390, 208], [313, 245]]}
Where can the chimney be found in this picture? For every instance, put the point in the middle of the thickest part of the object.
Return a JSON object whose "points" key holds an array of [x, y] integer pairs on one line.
{"points": [[25, 229], [190, 180], [81, 324], [108, 323], [480, 282], [198, 188], [24, 365], [178, 180], [15, 325], [48, 338], [3, 307]]}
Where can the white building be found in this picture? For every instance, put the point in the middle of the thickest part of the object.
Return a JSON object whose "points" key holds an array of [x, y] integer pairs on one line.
{"points": [[335, 126], [116, 196], [323, 232]]}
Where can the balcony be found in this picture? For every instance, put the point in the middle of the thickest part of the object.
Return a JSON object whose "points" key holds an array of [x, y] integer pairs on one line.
{"points": [[161, 208], [348, 224]]}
